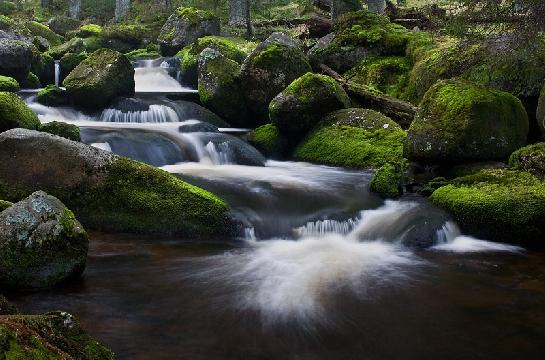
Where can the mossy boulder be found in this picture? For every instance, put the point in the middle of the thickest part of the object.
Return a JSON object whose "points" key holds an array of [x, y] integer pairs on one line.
{"points": [[42, 244], [97, 80], [355, 138], [15, 58], [140, 54], [56, 335], [219, 87], [69, 61], [67, 131], [500, 205], [387, 74], [357, 35], [184, 27], [268, 70], [530, 158], [62, 25], [4, 205], [386, 181], [41, 30], [269, 141], [106, 191], [85, 31], [43, 66], [14, 113], [52, 95], [122, 37], [74, 45], [459, 121], [235, 49], [300, 106], [31, 82], [8, 84]]}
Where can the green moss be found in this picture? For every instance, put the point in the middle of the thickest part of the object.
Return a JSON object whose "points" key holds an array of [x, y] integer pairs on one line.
{"points": [[433, 185], [7, 7], [268, 140], [8, 84], [193, 15], [75, 45], [458, 120], [4, 205], [389, 75], [31, 82], [530, 158], [275, 55], [38, 29], [143, 54], [14, 113], [68, 131], [70, 60], [503, 205], [43, 66], [93, 43], [88, 30], [386, 181], [52, 95]]}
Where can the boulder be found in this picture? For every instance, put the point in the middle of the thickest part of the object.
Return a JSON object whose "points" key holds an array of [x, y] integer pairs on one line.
{"points": [[42, 243], [355, 138], [63, 24], [15, 58], [98, 79], [184, 27], [74, 46], [43, 66], [268, 70], [56, 335], [106, 191], [31, 82], [300, 106], [121, 37], [14, 113], [43, 31], [358, 35], [219, 88], [530, 158], [67, 131], [52, 95], [8, 84], [459, 121], [269, 141], [497, 204], [68, 62], [386, 181]]}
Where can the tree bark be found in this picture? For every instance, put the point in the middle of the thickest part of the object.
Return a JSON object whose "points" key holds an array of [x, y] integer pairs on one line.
{"points": [[376, 6], [238, 10], [74, 8], [339, 7], [121, 9]]}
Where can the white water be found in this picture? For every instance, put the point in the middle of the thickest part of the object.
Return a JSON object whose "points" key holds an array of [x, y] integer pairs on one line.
{"points": [[155, 114], [57, 73], [468, 244], [150, 78]]}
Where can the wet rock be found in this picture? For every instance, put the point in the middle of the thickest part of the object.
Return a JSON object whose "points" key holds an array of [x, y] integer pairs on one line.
{"points": [[42, 243], [198, 127], [184, 27]]}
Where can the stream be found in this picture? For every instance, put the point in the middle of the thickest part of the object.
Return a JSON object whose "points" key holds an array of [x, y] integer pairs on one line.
{"points": [[325, 269]]}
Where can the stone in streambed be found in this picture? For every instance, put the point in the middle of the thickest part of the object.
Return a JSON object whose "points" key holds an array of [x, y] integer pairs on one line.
{"points": [[14, 113]]}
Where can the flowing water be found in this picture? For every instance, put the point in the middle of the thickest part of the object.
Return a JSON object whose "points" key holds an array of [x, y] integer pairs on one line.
{"points": [[324, 270]]}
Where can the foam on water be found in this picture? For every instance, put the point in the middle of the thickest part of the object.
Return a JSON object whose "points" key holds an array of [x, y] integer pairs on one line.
{"points": [[154, 78], [468, 244]]}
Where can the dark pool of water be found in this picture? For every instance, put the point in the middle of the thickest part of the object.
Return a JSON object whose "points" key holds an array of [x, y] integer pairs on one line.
{"points": [[137, 297]]}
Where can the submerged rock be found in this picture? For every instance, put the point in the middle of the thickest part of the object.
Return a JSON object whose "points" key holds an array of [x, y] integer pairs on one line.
{"points": [[184, 27], [42, 243], [14, 113], [106, 191], [56, 335], [357, 138], [101, 77], [219, 87], [300, 106], [459, 121], [268, 70], [504, 205]]}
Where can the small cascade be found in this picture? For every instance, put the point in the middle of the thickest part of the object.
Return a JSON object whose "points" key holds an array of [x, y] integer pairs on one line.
{"points": [[154, 114], [323, 227], [219, 154], [153, 76], [57, 72]]}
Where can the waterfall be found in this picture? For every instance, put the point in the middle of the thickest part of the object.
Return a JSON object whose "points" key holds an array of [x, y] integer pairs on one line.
{"points": [[57, 73], [155, 114], [122, 9], [154, 77]]}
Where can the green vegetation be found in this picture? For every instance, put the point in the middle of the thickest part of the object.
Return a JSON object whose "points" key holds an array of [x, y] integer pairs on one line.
{"points": [[38, 29], [15, 113], [146, 53], [268, 140], [68, 131], [530, 158], [31, 82], [52, 95], [8, 84], [4, 205], [386, 181]]}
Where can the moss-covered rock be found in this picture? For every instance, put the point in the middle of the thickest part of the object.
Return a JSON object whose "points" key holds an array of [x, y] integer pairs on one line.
{"points": [[268, 70], [62, 25], [74, 45], [104, 75], [300, 106], [106, 191], [43, 66], [52, 336], [357, 35], [219, 88], [123, 37], [43, 31], [140, 54], [501, 205], [68, 62], [8, 84], [459, 121], [269, 141], [356, 138], [4, 205], [31, 82], [386, 181], [388, 75], [15, 58], [530, 158], [14, 113], [184, 27], [52, 95], [235, 49], [433, 185], [42, 244], [67, 131], [85, 31]]}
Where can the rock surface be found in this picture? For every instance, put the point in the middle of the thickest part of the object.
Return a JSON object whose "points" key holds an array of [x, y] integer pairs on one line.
{"points": [[15, 58], [15, 113]]}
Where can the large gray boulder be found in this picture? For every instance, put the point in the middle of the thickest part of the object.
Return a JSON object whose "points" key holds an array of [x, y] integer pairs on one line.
{"points": [[42, 244], [15, 58], [106, 191], [184, 27], [272, 66]]}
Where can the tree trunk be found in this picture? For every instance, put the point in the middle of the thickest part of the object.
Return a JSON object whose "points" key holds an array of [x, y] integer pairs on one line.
{"points": [[122, 9], [238, 9], [339, 7], [249, 27], [74, 8], [376, 6], [44, 4]]}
